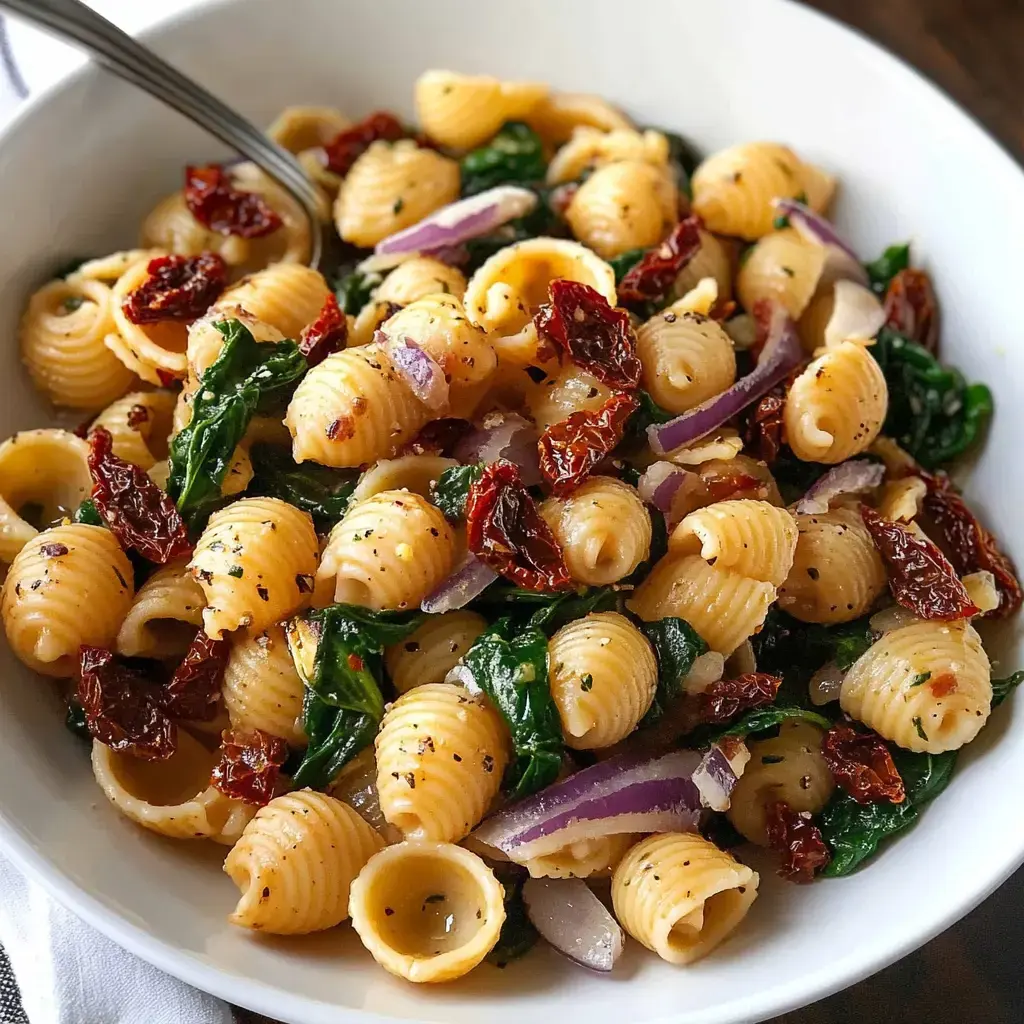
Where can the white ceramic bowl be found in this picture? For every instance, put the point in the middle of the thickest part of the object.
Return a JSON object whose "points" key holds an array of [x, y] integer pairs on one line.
{"points": [[83, 164]]}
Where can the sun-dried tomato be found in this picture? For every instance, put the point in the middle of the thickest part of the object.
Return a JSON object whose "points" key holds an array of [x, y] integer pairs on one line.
{"points": [[166, 378], [122, 708], [723, 700], [217, 205], [657, 270], [346, 147], [178, 288], [911, 309], [438, 437], [970, 547], [139, 514], [193, 692], [326, 334], [920, 576], [597, 336], [570, 450], [729, 485], [862, 765], [505, 530], [250, 765], [798, 839]]}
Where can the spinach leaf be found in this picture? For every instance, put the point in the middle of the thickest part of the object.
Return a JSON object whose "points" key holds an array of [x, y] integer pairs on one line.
{"points": [[683, 158], [545, 610], [794, 476], [1002, 688], [88, 514], [451, 490], [319, 490], [74, 720], [518, 935], [353, 290], [853, 831], [625, 262], [887, 266], [659, 542], [337, 652], [69, 267], [511, 666], [647, 413], [933, 413], [515, 156], [677, 645], [756, 721], [229, 393]]}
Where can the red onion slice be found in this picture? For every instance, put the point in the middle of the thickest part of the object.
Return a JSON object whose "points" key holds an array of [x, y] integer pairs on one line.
{"points": [[659, 484], [503, 435], [856, 313], [460, 221], [419, 370], [717, 774], [816, 228], [569, 916], [781, 353], [849, 477], [470, 580]]}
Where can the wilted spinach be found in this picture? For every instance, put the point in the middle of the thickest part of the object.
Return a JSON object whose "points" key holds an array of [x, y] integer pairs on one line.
{"points": [[887, 266], [353, 290], [451, 490], [515, 156], [625, 262], [755, 721], [518, 936], [244, 375], [1002, 688], [683, 158], [74, 720], [319, 490], [88, 514], [545, 610], [677, 645]]}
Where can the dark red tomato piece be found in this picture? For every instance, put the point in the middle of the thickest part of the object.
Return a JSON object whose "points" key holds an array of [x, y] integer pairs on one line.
{"points": [[911, 309], [570, 450], [597, 336], [217, 205], [193, 692], [326, 334], [139, 514], [505, 530], [347, 146], [722, 701], [438, 437], [920, 576], [178, 288], [730, 485], [971, 548], [799, 840], [654, 275], [250, 765], [122, 708], [862, 765]]}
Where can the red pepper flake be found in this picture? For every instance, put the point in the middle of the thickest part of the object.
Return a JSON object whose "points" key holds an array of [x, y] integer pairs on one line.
{"points": [[862, 765], [122, 709], [165, 377], [798, 839], [139, 514], [570, 450], [505, 531], [597, 336], [326, 334], [920, 576], [250, 765], [178, 288], [137, 415], [971, 548], [723, 700], [355, 662], [911, 309], [657, 270], [213, 202], [943, 685], [346, 147], [194, 690]]}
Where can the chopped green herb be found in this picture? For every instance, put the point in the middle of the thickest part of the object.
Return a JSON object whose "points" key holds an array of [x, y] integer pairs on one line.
{"points": [[587, 683], [772, 759], [920, 679], [780, 222], [72, 303], [237, 571], [397, 206], [920, 728]]}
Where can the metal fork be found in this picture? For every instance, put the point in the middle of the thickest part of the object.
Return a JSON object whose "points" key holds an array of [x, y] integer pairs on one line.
{"points": [[128, 59]]}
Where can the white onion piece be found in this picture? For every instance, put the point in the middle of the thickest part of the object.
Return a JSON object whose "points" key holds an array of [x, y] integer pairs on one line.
{"points": [[850, 477], [717, 774], [503, 435], [418, 369], [357, 786], [569, 916], [742, 329], [856, 314], [705, 670], [825, 684], [459, 221], [742, 661], [893, 617], [468, 581], [843, 261]]}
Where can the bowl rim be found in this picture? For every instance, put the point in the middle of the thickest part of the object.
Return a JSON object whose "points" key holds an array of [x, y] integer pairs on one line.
{"points": [[271, 1001]]}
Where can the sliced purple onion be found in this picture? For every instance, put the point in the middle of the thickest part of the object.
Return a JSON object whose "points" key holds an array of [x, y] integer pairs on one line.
{"points": [[815, 228], [503, 435], [660, 482], [717, 774], [856, 313], [569, 916], [851, 477], [781, 353], [622, 794], [460, 221], [470, 580], [418, 369]]}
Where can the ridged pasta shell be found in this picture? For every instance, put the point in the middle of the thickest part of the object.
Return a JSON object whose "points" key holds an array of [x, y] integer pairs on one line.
{"points": [[140, 426], [558, 115], [590, 148], [440, 756], [713, 260], [433, 649], [306, 127], [287, 296], [414, 473], [783, 267], [164, 617], [418, 277], [296, 861], [566, 391], [69, 586]]}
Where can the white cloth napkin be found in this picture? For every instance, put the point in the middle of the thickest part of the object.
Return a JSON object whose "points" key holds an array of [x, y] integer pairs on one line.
{"points": [[67, 972]]}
